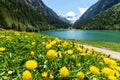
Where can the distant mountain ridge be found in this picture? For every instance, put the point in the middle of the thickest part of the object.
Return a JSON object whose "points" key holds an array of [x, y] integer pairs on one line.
{"points": [[106, 20], [98, 7], [41, 8], [28, 15]]}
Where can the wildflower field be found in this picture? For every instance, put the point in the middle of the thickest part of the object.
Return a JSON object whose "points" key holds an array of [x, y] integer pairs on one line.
{"points": [[32, 56]]}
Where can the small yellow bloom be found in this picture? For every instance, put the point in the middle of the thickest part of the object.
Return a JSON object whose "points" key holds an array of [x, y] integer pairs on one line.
{"points": [[51, 76], [118, 68], [33, 43], [48, 46], [64, 72], [110, 62], [2, 49], [8, 37], [70, 51], [59, 54], [80, 75], [32, 53], [43, 43], [116, 73], [51, 54], [44, 74], [94, 79], [57, 39], [31, 64], [112, 78], [53, 42], [107, 72], [83, 54], [26, 75], [79, 49], [89, 52], [2, 36], [94, 70], [65, 43]]}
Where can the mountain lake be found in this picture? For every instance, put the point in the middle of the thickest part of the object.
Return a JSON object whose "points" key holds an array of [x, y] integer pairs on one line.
{"points": [[96, 35]]}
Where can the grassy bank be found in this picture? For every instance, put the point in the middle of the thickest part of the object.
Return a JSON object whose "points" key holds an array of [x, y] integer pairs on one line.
{"points": [[31, 56], [114, 46]]}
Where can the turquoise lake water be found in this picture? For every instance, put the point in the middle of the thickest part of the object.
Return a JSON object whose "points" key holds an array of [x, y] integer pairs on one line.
{"points": [[99, 35]]}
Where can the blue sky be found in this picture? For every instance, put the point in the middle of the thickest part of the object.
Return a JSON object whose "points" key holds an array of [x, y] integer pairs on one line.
{"points": [[69, 7]]}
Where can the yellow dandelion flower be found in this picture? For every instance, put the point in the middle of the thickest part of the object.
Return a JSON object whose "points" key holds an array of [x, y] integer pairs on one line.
{"points": [[83, 54], [118, 68], [110, 62], [33, 43], [51, 76], [94, 79], [116, 73], [70, 51], [31, 64], [51, 54], [94, 70], [2, 49], [48, 46], [89, 52], [59, 54], [8, 37], [2, 36], [44, 74], [32, 53], [43, 43], [79, 49], [107, 72], [80, 75], [26, 75], [112, 78], [57, 39], [64, 72], [53, 42], [65, 43], [84, 50]]}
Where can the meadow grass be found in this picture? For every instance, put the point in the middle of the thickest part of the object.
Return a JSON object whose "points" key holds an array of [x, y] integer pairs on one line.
{"points": [[32, 56], [114, 46]]}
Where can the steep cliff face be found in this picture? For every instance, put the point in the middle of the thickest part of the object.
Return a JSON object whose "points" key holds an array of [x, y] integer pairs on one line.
{"points": [[98, 7]]}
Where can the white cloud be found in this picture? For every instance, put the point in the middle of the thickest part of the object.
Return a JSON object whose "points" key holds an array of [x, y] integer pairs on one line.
{"points": [[82, 10], [71, 16], [71, 13]]}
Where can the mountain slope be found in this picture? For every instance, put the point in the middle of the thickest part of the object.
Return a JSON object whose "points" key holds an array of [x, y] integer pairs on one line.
{"points": [[19, 15], [98, 7], [109, 19], [41, 8]]}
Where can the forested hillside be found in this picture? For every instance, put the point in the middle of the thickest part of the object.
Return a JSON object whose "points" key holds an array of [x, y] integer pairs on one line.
{"points": [[109, 19], [99, 6], [17, 15]]}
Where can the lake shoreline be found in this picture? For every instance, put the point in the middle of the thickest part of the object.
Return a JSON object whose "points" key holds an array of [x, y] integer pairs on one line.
{"points": [[78, 34]]}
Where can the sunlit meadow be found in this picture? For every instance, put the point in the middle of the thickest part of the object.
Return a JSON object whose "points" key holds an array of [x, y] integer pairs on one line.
{"points": [[32, 56]]}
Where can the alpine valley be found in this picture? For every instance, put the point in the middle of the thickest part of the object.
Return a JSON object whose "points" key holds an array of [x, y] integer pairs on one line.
{"points": [[29, 15]]}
